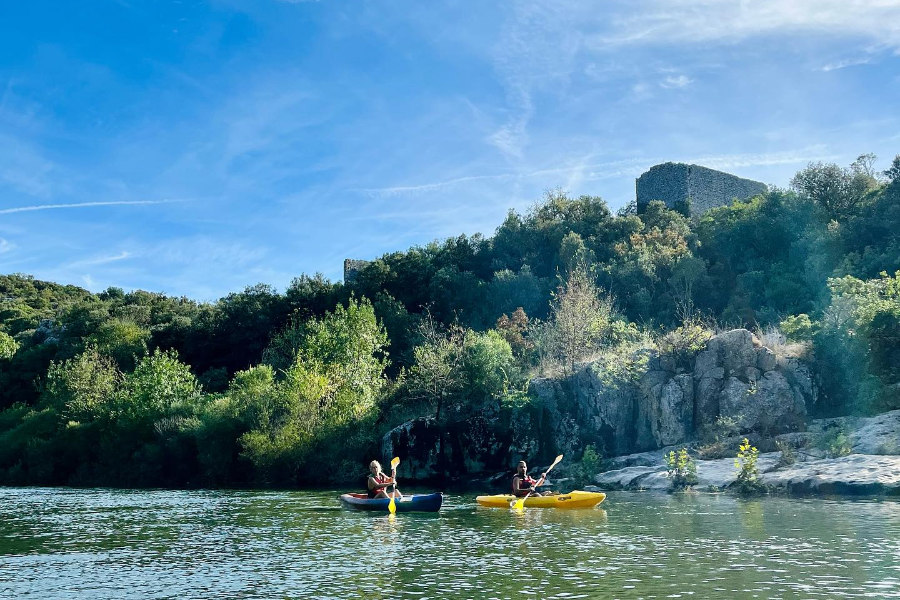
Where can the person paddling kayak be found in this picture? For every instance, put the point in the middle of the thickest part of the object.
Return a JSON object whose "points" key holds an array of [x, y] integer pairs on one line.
{"points": [[523, 484], [379, 482]]}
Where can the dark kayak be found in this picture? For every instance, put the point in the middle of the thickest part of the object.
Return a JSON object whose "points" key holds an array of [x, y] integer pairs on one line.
{"points": [[413, 503]]}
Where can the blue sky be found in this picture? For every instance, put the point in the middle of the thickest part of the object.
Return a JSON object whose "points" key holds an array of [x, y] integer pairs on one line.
{"points": [[198, 147]]}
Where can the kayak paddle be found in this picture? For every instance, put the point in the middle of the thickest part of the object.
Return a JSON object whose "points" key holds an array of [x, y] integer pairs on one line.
{"points": [[392, 506], [519, 503]]}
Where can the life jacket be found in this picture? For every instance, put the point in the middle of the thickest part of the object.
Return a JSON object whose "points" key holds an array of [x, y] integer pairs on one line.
{"points": [[525, 484], [380, 478]]}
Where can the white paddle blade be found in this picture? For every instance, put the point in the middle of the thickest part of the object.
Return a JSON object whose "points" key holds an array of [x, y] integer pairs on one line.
{"points": [[556, 462]]}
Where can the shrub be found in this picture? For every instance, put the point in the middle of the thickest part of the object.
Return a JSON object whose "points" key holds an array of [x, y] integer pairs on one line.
{"points": [[797, 328], [747, 471], [788, 456], [684, 342], [583, 471], [834, 441], [716, 436], [83, 388], [682, 470], [8, 346]]}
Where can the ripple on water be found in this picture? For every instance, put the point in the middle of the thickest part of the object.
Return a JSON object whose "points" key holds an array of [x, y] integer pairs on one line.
{"points": [[62, 543]]}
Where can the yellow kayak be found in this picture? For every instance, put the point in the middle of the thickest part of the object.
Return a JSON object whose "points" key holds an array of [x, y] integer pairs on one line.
{"points": [[577, 499]]}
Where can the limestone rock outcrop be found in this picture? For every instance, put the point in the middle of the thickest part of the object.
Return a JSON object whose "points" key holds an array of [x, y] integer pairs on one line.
{"points": [[856, 474], [661, 405]]}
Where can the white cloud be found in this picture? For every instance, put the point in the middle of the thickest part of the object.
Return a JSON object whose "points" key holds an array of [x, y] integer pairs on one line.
{"points": [[843, 64], [6, 246], [536, 49], [398, 190], [682, 81], [7, 211], [703, 21], [100, 260]]}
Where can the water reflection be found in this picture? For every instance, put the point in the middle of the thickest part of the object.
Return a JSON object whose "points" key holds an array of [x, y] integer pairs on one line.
{"points": [[237, 544]]}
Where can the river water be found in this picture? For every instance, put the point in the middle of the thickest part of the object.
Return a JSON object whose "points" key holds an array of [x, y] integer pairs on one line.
{"points": [[100, 543]]}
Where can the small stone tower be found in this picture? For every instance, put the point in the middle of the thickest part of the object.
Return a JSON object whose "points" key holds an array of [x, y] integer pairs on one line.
{"points": [[676, 183]]}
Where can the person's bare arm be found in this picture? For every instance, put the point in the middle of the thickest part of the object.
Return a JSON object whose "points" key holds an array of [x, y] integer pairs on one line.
{"points": [[375, 486]]}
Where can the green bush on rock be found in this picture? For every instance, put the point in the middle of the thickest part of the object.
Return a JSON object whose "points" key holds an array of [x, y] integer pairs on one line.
{"points": [[747, 470], [681, 469]]}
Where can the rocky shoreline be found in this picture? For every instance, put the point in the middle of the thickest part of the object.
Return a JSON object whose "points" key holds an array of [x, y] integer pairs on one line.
{"points": [[871, 468]]}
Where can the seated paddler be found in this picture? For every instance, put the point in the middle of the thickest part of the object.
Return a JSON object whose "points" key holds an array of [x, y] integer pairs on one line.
{"points": [[379, 482], [523, 484]]}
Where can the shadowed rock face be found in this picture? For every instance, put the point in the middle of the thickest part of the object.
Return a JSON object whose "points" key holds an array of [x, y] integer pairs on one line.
{"points": [[675, 183], [733, 376]]}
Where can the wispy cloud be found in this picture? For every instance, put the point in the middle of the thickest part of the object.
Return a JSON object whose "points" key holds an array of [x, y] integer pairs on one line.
{"points": [[681, 81], [703, 21], [536, 49], [399, 190], [100, 260], [640, 91], [6, 246], [843, 64], [7, 211]]}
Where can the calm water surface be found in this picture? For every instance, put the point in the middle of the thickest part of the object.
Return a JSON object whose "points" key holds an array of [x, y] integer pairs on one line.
{"points": [[64, 543]]}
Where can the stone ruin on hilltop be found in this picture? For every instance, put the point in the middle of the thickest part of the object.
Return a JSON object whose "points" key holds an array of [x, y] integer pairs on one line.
{"points": [[676, 184]]}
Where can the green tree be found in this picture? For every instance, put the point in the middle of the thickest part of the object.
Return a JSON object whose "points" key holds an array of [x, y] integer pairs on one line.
{"points": [[8, 346], [580, 322], [123, 340], [838, 191], [160, 385], [689, 272], [437, 375], [892, 173], [83, 388]]}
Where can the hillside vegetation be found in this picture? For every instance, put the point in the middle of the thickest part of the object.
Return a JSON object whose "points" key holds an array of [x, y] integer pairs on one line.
{"points": [[297, 388]]}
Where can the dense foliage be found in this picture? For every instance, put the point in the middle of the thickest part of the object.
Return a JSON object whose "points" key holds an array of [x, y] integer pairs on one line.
{"points": [[298, 387]]}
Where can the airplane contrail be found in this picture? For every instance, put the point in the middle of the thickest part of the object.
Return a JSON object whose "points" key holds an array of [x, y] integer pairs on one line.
{"points": [[19, 209]]}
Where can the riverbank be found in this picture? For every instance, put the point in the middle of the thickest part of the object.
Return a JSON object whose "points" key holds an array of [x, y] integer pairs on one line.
{"points": [[871, 465]]}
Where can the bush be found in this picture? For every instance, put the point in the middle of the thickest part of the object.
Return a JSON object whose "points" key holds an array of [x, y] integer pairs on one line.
{"points": [[583, 472], [834, 441], [682, 470], [161, 385], [788, 456], [83, 388], [8, 346], [716, 436], [684, 342], [747, 471], [798, 328]]}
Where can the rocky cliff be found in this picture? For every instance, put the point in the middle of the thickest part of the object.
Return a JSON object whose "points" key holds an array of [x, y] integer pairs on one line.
{"points": [[658, 404]]}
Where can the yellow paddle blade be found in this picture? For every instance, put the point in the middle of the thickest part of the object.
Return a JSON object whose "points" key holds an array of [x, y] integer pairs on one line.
{"points": [[392, 505], [520, 504]]}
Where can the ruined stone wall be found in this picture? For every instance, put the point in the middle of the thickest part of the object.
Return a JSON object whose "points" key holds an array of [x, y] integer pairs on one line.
{"points": [[675, 183], [352, 268], [708, 188]]}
